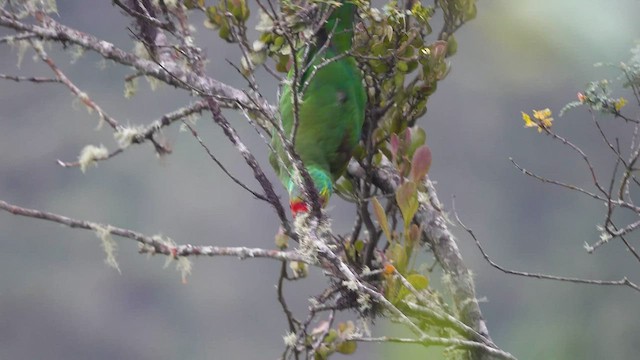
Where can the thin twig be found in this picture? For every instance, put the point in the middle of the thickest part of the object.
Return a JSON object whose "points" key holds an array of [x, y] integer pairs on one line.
{"points": [[152, 244], [428, 340], [622, 282], [222, 167], [33, 79]]}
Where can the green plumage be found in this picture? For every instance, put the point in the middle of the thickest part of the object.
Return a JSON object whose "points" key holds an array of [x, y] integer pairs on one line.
{"points": [[331, 109]]}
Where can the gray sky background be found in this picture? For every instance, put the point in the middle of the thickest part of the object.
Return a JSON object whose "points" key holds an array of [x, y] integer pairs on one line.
{"points": [[59, 300]]}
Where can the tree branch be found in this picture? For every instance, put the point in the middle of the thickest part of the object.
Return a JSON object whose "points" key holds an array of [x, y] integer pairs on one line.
{"points": [[154, 244], [622, 282]]}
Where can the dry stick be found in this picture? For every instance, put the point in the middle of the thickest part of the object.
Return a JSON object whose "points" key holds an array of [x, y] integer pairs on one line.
{"points": [[584, 157], [33, 79], [623, 204], [259, 175], [143, 17], [154, 245], [283, 275], [67, 164], [608, 201], [224, 169], [150, 130], [622, 282], [49, 29], [72, 87], [438, 341], [10, 39]]}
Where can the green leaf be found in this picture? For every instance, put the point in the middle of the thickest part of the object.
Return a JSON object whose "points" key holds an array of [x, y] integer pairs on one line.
{"points": [[344, 187], [420, 163], [402, 66], [399, 258], [192, 4], [418, 135], [332, 335], [347, 347], [381, 216], [452, 45], [407, 198], [418, 281]]}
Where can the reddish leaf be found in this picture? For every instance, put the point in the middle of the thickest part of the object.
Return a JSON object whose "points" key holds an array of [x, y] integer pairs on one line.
{"points": [[395, 145], [421, 163]]}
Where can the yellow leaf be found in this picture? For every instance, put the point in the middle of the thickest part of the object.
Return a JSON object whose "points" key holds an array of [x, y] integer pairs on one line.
{"points": [[407, 199], [542, 114], [527, 120], [381, 217], [620, 103]]}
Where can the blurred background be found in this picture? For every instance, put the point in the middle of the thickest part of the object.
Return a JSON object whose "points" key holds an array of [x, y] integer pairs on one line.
{"points": [[58, 300]]}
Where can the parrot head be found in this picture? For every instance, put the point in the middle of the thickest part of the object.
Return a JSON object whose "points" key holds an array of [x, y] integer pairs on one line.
{"points": [[323, 184]]}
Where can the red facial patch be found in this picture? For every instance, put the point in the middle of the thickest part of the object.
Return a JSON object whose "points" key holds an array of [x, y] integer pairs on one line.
{"points": [[298, 207]]}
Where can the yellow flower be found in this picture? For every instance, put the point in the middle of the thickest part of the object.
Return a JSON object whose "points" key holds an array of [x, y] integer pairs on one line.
{"points": [[542, 114], [620, 103], [543, 117], [527, 120]]}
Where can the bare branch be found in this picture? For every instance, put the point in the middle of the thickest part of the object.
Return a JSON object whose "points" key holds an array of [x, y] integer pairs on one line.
{"points": [[33, 79], [267, 187], [428, 340], [235, 179], [622, 282], [72, 87], [155, 245], [170, 73]]}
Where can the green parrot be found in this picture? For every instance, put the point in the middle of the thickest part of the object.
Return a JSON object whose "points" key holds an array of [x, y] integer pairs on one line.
{"points": [[331, 110]]}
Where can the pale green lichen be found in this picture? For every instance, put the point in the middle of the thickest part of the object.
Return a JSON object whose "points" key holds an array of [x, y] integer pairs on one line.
{"points": [[184, 267], [300, 269], [82, 99], [109, 245], [183, 264], [130, 87], [364, 302], [102, 64], [21, 46], [90, 155], [153, 82], [307, 248], [290, 339], [127, 134], [76, 53], [605, 237], [350, 284], [140, 50], [49, 6]]}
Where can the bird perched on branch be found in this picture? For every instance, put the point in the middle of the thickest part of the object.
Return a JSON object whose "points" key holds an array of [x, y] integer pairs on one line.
{"points": [[330, 109]]}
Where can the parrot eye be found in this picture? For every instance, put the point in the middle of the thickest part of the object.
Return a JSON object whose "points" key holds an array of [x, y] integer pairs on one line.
{"points": [[341, 96]]}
